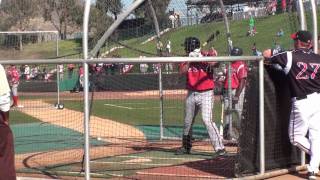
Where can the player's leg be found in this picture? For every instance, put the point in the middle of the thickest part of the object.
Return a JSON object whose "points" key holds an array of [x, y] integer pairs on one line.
{"points": [[314, 135], [236, 118], [298, 125], [7, 167], [227, 115], [190, 113], [227, 131], [207, 104], [15, 96], [239, 105]]}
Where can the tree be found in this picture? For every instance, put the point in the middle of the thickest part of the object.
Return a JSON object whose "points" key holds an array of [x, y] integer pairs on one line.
{"points": [[99, 23], [103, 14], [110, 6], [18, 13], [62, 14], [160, 9]]}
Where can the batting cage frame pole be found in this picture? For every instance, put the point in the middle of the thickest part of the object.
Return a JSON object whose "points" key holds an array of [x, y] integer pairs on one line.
{"points": [[315, 26], [261, 118], [303, 26], [302, 15], [157, 29], [135, 60], [86, 90], [114, 26], [58, 73], [229, 48]]}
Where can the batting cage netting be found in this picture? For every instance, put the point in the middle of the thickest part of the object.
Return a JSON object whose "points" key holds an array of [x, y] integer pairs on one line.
{"points": [[141, 113]]}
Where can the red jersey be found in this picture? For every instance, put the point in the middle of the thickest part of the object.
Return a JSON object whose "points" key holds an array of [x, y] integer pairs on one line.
{"points": [[71, 66], [198, 79], [239, 71], [284, 4], [14, 75]]}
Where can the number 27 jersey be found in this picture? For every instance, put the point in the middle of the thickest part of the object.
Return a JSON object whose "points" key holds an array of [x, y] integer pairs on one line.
{"points": [[302, 69]]}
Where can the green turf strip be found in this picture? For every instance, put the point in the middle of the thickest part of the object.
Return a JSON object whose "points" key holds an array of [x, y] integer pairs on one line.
{"points": [[153, 132], [37, 137]]}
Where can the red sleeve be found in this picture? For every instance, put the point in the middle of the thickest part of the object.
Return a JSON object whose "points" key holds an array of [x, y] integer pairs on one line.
{"points": [[181, 65]]}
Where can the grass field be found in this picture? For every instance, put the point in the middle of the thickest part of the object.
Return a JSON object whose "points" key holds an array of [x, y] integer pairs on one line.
{"points": [[145, 115], [17, 117], [45, 50], [140, 112]]}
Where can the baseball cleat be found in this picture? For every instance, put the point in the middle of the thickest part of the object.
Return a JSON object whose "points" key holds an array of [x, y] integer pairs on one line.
{"points": [[220, 152], [182, 151], [312, 176]]}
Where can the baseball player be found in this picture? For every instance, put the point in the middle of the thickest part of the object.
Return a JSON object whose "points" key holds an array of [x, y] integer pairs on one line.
{"points": [[14, 77], [301, 68], [7, 168], [239, 73], [200, 97]]}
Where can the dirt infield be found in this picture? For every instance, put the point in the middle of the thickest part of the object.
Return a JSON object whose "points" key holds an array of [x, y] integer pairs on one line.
{"points": [[116, 132], [103, 129], [44, 159]]}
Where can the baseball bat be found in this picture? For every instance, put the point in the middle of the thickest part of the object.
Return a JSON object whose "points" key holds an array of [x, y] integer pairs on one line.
{"points": [[211, 38]]}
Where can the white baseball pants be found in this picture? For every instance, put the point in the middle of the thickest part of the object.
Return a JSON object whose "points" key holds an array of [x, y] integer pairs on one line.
{"points": [[304, 118], [202, 101]]}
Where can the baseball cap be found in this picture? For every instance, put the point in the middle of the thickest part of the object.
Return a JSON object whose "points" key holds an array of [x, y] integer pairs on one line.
{"points": [[304, 36]]}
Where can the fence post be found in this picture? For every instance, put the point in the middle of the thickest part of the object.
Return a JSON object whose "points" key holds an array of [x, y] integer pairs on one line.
{"points": [[86, 90], [303, 26], [261, 117]]}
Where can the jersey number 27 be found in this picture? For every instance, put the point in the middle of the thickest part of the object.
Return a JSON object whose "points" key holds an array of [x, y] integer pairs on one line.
{"points": [[304, 67]]}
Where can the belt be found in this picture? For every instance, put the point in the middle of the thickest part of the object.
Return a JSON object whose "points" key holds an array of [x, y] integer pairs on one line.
{"points": [[305, 96], [301, 97], [201, 90]]}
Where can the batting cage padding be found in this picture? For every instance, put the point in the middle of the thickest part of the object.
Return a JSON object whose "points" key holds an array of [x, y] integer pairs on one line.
{"points": [[279, 153], [136, 82]]}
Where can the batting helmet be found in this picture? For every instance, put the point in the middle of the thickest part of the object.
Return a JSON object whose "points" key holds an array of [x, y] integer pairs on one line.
{"points": [[236, 51], [191, 43]]}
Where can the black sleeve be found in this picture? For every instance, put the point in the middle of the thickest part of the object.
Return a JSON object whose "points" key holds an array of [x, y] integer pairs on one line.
{"points": [[280, 59]]}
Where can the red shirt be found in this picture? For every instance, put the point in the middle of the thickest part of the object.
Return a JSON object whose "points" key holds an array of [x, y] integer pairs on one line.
{"points": [[239, 71], [284, 4], [71, 66], [198, 79]]}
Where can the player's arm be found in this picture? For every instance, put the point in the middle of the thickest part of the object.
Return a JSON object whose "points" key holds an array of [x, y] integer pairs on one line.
{"points": [[242, 75], [280, 58], [184, 67]]}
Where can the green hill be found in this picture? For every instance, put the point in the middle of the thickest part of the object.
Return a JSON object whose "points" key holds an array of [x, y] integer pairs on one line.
{"points": [[267, 28]]}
